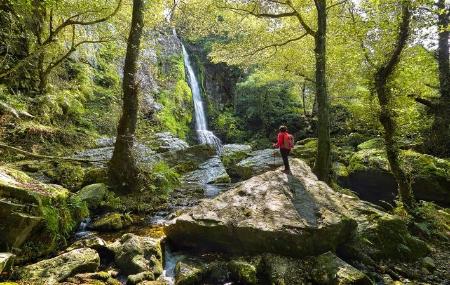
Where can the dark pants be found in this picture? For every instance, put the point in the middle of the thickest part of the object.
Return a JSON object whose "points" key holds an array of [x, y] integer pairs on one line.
{"points": [[284, 154]]}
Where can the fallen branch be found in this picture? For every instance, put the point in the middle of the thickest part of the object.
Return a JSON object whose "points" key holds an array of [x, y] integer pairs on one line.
{"points": [[40, 156]]}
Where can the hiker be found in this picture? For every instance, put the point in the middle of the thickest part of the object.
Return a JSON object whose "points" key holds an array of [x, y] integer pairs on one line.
{"points": [[285, 142]]}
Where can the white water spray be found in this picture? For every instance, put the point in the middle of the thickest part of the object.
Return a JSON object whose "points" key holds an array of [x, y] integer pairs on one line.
{"points": [[204, 135]]}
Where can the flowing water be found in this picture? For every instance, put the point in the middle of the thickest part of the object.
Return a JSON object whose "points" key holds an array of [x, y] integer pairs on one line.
{"points": [[204, 135]]}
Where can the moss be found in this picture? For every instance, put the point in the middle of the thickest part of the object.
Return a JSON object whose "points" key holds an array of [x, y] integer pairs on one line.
{"points": [[368, 159], [376, 143], [389, 237], [68, 174], [243, 272]]}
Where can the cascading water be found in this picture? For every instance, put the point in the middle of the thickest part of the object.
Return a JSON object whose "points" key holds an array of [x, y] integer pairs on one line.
{"points": [[205, 136]]}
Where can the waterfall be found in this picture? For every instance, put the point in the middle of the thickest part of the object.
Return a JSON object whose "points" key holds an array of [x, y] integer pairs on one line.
{"points": [[204, 135]]}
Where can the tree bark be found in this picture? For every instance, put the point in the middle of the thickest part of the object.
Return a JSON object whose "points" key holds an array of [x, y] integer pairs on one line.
{"points": [[123, 171], [438, 141], [387, 120], [322, 165]]}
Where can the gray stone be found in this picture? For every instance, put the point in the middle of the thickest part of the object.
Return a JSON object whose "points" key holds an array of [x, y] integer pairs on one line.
{"points": [[293, 215], [6, 261], [93, 194], [54, 270], [134, 254], [258, 162], [210, 171], [167, 142], [330, 269]]}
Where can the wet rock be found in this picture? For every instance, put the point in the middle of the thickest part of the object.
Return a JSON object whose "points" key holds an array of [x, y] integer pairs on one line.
{"points": [[6, 261], [233, 153], [243, 272], [34, 213], [370, 177], [188, 272], [138, 278], [111, 222], [134, 254], [330, 269], [93, 194], [54, 270], [258, 162], [167, 142], [294, 215], [210, 171]]}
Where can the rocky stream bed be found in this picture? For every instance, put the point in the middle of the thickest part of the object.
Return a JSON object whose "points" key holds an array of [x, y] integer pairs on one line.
{"points": [[235, 219]]}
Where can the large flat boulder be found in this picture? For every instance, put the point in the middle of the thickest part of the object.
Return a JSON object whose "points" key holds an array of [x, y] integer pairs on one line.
{"points": [[294, 215]]}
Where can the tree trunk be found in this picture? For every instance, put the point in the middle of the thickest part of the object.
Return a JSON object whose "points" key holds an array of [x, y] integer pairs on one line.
{"points": [[123, 171], [387, 119], [438, 141], [322, 165]]}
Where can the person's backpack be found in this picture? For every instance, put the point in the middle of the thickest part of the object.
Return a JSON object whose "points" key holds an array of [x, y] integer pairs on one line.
{"points": [[288, 141]]}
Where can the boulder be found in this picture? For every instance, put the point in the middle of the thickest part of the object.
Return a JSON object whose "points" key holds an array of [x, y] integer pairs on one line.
{"points": [[34, 213], [111, 222], [385, 237], [233, 153], [134, 254], [165, 141], [330, 269], [139, 277], [105, 147], [6, 261], [93, 242], [93, 194], [209, 172], [188, 272], [97, 278], [294, 215], [258, 162], [369, 176], [188, 159], [54, 270]]}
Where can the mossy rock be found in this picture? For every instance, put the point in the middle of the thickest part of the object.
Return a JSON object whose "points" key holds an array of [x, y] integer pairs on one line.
{"points": [[376, 143], [69, 175], [112, 222], [39, 216], [243, 272], [233, 153], [306, 150], [369, 175], [93, 194], [189, 272], [387, 237], [330, 269]]}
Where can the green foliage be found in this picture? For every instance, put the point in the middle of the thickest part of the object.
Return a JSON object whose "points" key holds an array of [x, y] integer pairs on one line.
{"points": [[160, 179]]}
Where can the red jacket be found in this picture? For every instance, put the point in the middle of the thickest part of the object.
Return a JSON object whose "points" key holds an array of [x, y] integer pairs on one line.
{"points": [[281, 137]]}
